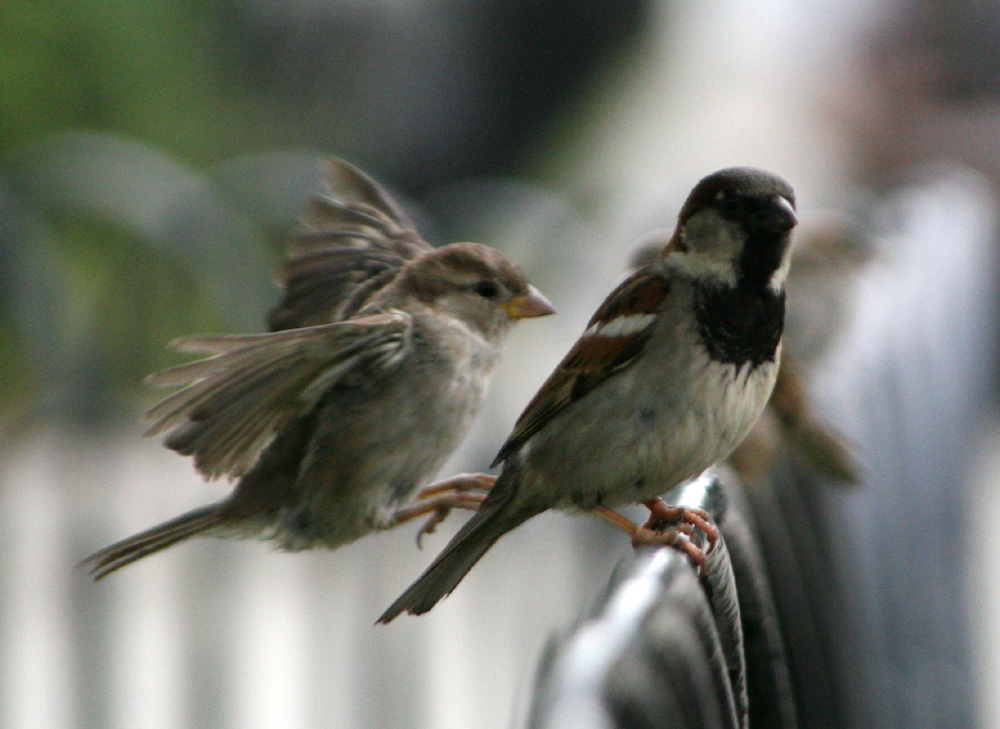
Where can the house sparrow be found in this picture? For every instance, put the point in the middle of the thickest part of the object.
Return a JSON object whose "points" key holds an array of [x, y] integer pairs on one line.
{"points": [[830, 251], [383, 350], [669, 376]]}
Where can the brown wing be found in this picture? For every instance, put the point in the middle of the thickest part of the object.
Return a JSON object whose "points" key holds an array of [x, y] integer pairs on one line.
{"points": [[355, 239], [614, 337], [234, 401]]}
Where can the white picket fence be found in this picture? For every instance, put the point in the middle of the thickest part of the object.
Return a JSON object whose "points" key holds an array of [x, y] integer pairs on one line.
{"points": [[224, 634]]}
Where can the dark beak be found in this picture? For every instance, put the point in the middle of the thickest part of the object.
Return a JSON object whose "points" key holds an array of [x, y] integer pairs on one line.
{"points": [[778, 216]]}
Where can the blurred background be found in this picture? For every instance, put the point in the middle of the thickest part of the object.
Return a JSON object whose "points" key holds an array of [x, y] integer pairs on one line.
{"points": [[153, 159]]}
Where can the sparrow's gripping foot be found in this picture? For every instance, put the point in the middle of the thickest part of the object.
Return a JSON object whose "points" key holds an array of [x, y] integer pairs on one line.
{"points": [[683, 519], [465, 491], [660, 511]]}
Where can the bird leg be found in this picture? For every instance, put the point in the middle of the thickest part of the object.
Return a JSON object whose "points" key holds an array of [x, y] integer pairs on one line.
{"points": [[465, 491], [677, 536]]}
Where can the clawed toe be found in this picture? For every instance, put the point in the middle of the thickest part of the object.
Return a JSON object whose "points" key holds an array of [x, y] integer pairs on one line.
{"points": [[667, 525], [678, 537], [465, 491], [430, 526], [443, 504], [464, 482], [660, 511]]}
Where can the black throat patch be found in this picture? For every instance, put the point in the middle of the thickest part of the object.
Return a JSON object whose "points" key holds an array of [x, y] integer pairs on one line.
{"points": [[740, 324]]}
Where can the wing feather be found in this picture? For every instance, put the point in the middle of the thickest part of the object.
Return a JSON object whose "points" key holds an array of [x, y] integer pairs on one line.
{"points": [[596, 356], [234, 402], [352, 235]]}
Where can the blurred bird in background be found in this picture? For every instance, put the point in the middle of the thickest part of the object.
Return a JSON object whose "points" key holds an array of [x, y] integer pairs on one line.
{"points": [[831, 252], [379, 356]]}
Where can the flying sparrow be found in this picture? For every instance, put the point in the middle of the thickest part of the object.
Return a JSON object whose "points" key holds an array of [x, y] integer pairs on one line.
{"points": [[669, 376], [383, 350]]}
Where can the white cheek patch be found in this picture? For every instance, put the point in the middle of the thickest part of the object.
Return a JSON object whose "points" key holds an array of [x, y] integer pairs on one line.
{"points": [[621, 326], [712, 244]]}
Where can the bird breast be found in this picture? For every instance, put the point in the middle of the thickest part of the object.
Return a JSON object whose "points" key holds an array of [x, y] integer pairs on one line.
{"points": [[376, 445], [649, 428]]}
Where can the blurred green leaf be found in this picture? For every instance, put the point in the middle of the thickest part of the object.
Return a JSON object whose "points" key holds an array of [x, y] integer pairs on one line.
{"points": [[164, 204], [113, 248]]}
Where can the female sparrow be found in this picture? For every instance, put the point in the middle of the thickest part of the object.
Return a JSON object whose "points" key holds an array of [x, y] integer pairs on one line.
{"points": [[383, 350], [669, 376]]}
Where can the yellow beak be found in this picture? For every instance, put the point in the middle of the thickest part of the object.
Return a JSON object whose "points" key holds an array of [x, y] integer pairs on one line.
{"points": [[525, 306]]}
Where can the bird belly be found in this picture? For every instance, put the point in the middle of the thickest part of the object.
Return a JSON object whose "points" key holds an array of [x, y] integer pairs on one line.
{"points": [[644, 435], [368, 461]]}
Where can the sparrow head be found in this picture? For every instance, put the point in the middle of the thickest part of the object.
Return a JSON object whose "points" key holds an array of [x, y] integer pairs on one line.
{"points": [[735, 228], [476, 284]]}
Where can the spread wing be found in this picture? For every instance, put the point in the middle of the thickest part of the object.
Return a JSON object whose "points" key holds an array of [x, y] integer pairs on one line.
{"points": [[614, 337], [354, 240], [234, 401]]}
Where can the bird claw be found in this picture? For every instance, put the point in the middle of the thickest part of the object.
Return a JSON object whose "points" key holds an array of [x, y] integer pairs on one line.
{"points": [[430, 526], [690, 517], [683, 520], [678, 537], [439, 506], [463, 482], [465, 491]]}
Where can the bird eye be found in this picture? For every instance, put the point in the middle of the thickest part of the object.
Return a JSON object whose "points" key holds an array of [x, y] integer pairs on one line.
{"points": [[729, 203], [486, 289]]}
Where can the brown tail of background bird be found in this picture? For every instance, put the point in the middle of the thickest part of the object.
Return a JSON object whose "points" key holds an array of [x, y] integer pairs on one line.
{"points": [[128, 550]]}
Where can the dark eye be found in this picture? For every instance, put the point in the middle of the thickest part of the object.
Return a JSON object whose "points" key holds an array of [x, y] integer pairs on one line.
{"points": [[729, 203], [486, 289]]}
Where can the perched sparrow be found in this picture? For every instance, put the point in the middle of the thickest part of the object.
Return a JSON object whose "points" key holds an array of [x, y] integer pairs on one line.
{"points": [[334, 423], [830, 250], [669, 376]]}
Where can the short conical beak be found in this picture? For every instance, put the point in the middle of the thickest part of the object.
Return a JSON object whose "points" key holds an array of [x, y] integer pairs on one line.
{"points": [[779, 216], [525, 306]]}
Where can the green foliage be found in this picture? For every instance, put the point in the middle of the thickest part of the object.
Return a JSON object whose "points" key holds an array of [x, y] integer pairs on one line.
{"points": [[135, 67]]}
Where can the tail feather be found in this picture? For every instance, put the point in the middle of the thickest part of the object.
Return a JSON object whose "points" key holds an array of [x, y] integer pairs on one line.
{"points": [[495, 518], [827, 451], [119, 554]]}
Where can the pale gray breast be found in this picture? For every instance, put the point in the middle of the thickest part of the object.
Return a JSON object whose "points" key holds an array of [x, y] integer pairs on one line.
{"points": [[663, 420]]}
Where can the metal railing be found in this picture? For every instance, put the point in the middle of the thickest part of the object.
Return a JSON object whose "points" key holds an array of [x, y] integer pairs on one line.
{"points": [[663, 647]]}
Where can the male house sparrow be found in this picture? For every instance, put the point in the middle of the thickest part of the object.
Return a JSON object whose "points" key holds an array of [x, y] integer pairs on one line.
{"points": [[669, 376], [829, 253], [332, 423]]}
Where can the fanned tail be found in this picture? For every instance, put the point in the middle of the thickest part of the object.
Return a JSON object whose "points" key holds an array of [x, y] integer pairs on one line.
{"points": [[127, 551]]}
